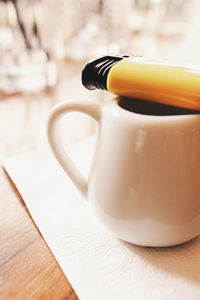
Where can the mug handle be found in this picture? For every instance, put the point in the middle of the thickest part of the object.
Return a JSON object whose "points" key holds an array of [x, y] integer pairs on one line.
{"points": [[89, 108]]}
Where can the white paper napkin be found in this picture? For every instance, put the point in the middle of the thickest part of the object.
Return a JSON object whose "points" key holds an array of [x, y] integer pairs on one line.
{"points": [[98, 265]]}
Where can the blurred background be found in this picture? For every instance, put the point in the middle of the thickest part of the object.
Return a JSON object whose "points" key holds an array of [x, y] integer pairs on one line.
{"points": [[44, 45]]}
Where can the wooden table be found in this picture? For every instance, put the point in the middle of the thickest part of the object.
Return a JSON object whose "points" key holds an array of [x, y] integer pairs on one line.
{"points": [[28, 269]]}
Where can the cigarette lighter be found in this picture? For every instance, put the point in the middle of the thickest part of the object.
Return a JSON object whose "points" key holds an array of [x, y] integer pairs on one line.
{"points": [[144, 78]]}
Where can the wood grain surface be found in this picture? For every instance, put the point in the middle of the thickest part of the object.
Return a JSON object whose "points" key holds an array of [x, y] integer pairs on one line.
{"points": [[28, 269]]}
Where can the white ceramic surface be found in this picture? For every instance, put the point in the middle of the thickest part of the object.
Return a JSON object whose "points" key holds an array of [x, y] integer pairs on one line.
{"points": [[144, 182]]}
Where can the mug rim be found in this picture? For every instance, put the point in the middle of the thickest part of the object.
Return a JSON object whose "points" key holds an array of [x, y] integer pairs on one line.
{"points": [[114, 103]]}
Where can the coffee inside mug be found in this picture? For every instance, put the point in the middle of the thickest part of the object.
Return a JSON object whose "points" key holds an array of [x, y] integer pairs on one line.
{"points": [[152, 108]]}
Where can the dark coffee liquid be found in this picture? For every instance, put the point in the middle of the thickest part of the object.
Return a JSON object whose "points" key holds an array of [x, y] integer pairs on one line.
{"points": [[152, 108]]}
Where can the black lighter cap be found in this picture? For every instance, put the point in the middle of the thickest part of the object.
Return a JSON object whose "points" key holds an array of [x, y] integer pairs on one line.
{"points": [[95, 73]]}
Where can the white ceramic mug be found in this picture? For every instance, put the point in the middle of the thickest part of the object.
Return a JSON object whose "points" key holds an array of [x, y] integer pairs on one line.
{"points": [[144, 183]]}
